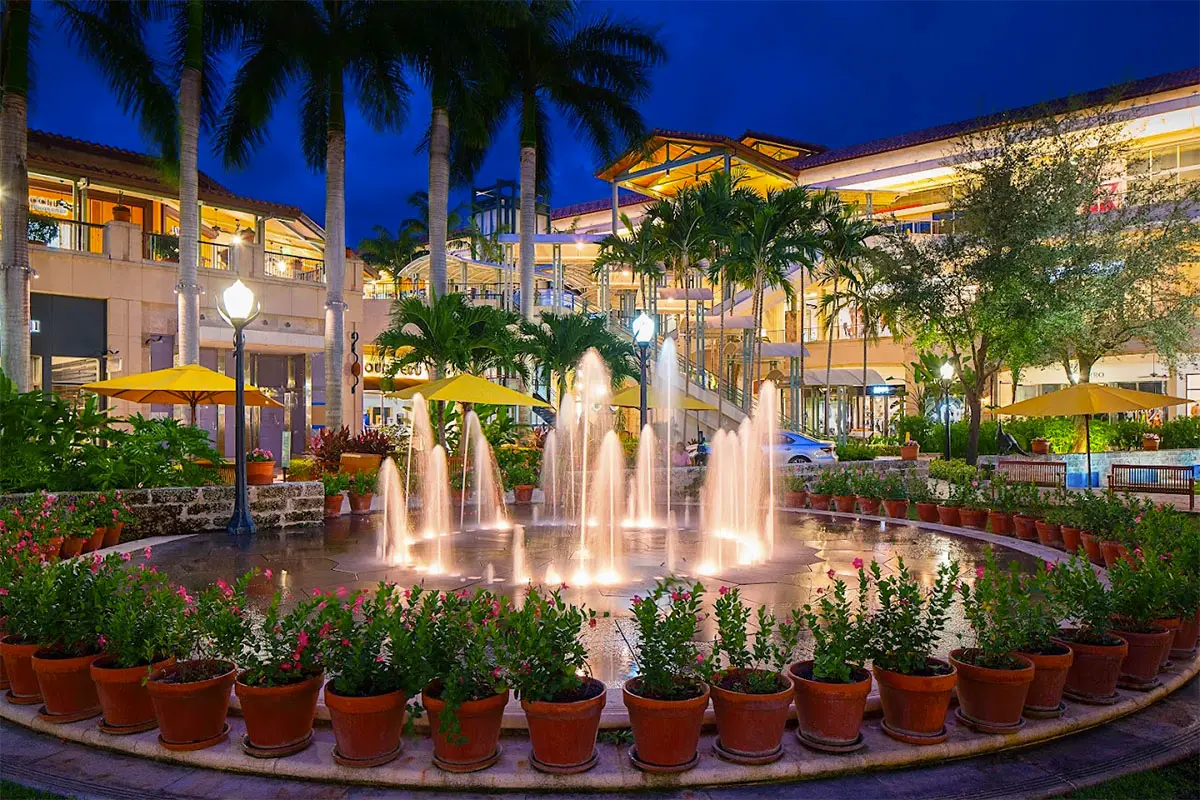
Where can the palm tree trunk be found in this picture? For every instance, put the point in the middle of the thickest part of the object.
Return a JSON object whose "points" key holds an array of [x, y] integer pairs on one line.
{"points": [[528, 221], [14, 218], [864, 375], [829, 328], [803, 415], [721, 367], [439, 198], [188, 294], [335, 272]]}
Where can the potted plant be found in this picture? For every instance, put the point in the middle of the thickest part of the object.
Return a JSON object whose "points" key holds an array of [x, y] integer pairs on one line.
{"points": [[868, 490], [361, 488], [144, 630], [260, 467], [458, 482], [465, 650], [842, 488], [365, 452], [1150, 441], [1003, 500], [914, 687], [327, 447], [894, 489], [920, 495], [69, 631], [191, 697], [1037, 629], [369, 643], [910, 449], [820, 493], [280, 662], [972, 511], [1141, 595], [335, 483], [522, 479], [993, 681], [92, 518], [667, 699], [950, 508], [796, 493], [547, 663], [830, 691], [1039, 446], [117, 513], [1097, 653], [28, 583], [304, 468], [750, 692]]}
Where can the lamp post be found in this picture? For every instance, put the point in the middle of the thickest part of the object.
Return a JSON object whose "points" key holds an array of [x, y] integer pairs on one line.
{"points": [[947, 373], [643, 335], [238, 307]]}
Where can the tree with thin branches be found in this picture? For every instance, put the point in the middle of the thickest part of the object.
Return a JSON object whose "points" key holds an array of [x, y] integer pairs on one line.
{"points": [[640, 251]]}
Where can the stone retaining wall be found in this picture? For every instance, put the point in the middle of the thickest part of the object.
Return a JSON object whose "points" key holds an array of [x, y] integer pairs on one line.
{"points": [[192, 509]]}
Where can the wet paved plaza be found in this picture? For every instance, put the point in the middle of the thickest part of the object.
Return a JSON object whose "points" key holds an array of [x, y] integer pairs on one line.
{"points": [[342, 553]]}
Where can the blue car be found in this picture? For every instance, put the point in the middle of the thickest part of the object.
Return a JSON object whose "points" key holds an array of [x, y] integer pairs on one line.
{"points": [[796, 448]]}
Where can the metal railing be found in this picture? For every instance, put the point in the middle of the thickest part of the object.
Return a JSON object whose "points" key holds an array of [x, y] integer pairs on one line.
{"points": [[300, 268], [160, 247], [67, 234], [216, 256], [920, 227]]}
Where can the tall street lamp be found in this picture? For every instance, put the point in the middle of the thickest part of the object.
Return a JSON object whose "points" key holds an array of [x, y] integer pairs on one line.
{"points": [[947, 373], [643, 335], [238, 307]]}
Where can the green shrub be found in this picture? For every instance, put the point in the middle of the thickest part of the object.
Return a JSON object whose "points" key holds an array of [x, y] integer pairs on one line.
{"points": [[851, 450], [1180, 432], [954, 471]]}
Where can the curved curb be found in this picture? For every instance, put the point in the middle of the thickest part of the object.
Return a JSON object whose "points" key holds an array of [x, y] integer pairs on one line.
{"points": [[415, 769]]}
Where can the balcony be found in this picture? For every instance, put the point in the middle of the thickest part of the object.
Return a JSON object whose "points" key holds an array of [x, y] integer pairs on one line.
{"points": [[164, 247], [296, 268], [66, 234]]}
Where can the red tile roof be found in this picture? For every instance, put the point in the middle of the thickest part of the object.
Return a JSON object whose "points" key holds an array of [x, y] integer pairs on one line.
{"points": [[624, 198], [796, 144], [1141, 88]]}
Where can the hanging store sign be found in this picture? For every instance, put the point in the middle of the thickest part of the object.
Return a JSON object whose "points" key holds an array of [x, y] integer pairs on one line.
{"points": [[50, 206], [885, 390]]}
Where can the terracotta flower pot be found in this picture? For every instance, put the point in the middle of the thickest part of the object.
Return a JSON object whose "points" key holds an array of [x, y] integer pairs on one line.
{"points": [[72, 546], [1145, 654], [750, 725], [909, 451], [845, 502], [829, 714], [260, 473], [333, 506], [53, 548], [523, 493], [93, 542], [914, 706], [18, 666], [367, 729], [3, 677], [1095, 668], [279, 716], [1189, 633], [1048, 533], [795, 499], [975, 518], [897, 509], [1049, 677], [354, 463], [1172, 624], [1149, 444], [360, 503], [66, 685], [869, 505], [123, 695], [122, 213], [1001, 522], [480, 723], [1071, 539], [112, 534], [1025, 527], [928, 512], [1039, 446], [1091, 546], [819, 502], [563, 735], [949, 515], [992, 697], [191, 715], [665, 732], [1112, 552]]}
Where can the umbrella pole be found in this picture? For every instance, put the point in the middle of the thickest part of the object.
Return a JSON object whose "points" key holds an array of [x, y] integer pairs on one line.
{"points": [[1087, 434], [193, 405]]}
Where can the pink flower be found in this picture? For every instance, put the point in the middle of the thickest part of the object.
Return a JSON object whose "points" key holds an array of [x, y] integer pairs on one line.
{"points": [[126, 556], [787, 621], [316, 592], [978, 572], [1049, 566], [324, 631], [345, 642], [302, 639], [699, 658], [146, 553], [821, 590], [591, 622], [342, 591], [379, 658], [831, 574], [3, 591], [267, 573], [564, 586], [636, 599], [101, 641], [857, 563], [724, 590], [496, 673], [285, 666], [675, 597], [1137, 551]]}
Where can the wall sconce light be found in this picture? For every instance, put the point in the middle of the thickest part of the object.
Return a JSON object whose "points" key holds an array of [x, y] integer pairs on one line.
{"points": [[112, 360]]}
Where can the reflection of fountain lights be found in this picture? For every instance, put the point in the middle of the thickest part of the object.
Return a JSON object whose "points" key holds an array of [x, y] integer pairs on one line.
{"points": [[725, 533], [429, 535], [639, 523], [608, 577], [749, 552], [706, 568], [552, 575], [581, 577]]}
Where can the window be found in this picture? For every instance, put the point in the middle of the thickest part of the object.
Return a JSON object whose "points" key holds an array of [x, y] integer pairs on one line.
{"points": [[68, 374]]}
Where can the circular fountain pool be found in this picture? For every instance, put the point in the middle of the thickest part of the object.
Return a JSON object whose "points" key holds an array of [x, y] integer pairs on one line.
{"points": [[807, 546]]}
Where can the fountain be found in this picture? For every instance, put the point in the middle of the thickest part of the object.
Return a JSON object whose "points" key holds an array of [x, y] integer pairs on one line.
{"points": [[642, 484], [484, 487]]}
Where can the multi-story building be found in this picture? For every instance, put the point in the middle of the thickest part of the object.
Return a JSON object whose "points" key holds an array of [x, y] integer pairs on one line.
{"points": [[103, 231]]}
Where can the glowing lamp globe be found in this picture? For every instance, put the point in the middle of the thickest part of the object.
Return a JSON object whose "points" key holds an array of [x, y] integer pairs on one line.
{"points": [[947, 371], [643, 329], [239, 301]]}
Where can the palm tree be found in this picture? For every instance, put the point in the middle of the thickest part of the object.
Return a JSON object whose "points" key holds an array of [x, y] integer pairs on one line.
{"points": [[860, 290], [640, 251], [112, 35], [680, 224], [592, 72], [14, 191], [559, 341], [391, 253], [322, 47], [843, 242]]}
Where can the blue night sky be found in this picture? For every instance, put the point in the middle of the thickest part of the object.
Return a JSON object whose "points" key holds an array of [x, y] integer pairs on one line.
{"points": [[831, 73]]}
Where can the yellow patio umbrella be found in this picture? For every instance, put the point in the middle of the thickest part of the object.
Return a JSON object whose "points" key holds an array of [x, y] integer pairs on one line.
{"points": [[190, 385], [1089, 399], [469, 389], [630, 397]]}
